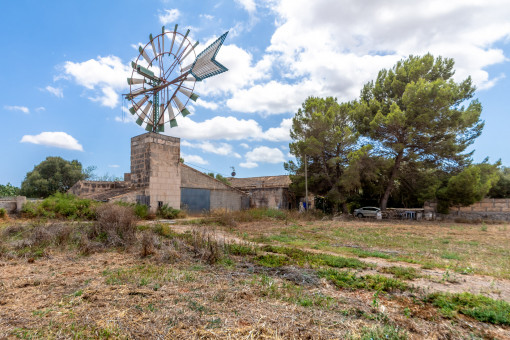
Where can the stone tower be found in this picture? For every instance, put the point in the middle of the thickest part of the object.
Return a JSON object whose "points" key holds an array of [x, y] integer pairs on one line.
{"points": [[155, 169]]}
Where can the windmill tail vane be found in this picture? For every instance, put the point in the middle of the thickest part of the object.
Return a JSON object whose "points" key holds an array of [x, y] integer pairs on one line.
{"points": [[161, 83]]}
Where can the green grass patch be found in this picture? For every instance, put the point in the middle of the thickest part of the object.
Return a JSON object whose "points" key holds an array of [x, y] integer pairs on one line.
{"points": [[61, 206], [369, 253], [271, 260], [240, 249], [403, 273], [386, 332], [349, 280], [301, 258], [451, 256], [478, 307]]}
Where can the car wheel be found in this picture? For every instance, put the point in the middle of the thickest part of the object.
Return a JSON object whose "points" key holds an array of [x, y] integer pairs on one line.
{"points": [[360, 215]]}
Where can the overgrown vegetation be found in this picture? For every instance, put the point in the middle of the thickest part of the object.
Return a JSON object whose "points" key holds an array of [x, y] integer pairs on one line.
{"points": [[168, 212], [349, 280], [61, 206], [479, 307]]}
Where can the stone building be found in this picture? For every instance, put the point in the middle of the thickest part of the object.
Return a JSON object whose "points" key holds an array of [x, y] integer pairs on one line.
{"points": [[158, 177], [266, 192]]}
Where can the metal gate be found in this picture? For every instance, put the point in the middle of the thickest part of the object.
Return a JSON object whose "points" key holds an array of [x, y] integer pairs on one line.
{"points": [[195, 200]]}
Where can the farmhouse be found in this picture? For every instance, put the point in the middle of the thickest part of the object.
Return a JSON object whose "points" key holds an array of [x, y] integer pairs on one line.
{"points": [[266, 192], [158, 177]]}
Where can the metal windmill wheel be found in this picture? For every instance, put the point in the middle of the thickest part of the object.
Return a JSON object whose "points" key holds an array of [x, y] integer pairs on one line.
{"points": [[163, 78]]}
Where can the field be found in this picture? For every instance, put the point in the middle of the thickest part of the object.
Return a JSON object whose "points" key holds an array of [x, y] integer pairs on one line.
{"points": [[253, 275]]}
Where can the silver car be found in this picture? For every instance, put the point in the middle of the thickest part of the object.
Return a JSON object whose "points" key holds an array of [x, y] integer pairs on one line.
{"points": [[366, 212]]}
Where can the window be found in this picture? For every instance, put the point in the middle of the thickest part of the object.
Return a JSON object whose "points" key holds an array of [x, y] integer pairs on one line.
{"points": [[160, 204]]}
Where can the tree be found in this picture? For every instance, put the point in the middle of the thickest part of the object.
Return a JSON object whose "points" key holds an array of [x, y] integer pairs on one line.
{"points": [[219, 178], [501, 189], [471, 185], [323, 138], [52, 175], [414, 112], [8, 190]]}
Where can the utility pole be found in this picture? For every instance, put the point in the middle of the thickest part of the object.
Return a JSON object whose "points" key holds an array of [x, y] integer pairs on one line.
{"points": [[306, 184]]}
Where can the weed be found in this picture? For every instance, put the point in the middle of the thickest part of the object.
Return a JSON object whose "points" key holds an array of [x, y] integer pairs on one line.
{"points": [[168, 212], [271, 260], [240, 249], [450, 256], [61, 206], [479, 307], [148, 244], [116, 225], [3, 213], [369, 253], [386, 332], [484, 227], [403, 273], [349, 280]]}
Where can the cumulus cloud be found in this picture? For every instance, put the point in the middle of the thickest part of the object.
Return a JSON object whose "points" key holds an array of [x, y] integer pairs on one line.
{"points": [[56, 91], [169, 16], [263, 154], [207, 105], [193, 159], [56, 139], [113, 166], [105, 75], [222, 149], [248, 5], [40, 109], [23, 109], [230, 128]]}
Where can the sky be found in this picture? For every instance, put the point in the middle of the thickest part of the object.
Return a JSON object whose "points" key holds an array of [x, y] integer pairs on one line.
{"points": [[66, 63]]}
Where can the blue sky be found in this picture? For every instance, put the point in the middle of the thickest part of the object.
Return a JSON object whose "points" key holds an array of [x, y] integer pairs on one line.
{"points": [[65, 67]]}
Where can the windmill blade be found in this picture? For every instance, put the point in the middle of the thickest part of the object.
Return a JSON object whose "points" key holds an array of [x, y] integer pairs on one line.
{"points": [[173, 39], [184, 69], [182, 109], [189, 94], [132, 81], [135, 93], [189, 78], [138, 105], [145, 56], [153, 47], [146, 72], [163, 38], [192, 48], [182, 42], [144, 113], [161, 121], [170, 109]]}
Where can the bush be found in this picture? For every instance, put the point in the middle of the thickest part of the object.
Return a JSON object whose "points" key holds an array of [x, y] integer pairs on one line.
{"points": [[167, 212], [116, 225], [3, 213], [61, 206], [141, 211]]}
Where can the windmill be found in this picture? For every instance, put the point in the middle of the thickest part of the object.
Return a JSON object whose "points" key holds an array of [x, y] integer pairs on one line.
{"points": [[163, 77]]}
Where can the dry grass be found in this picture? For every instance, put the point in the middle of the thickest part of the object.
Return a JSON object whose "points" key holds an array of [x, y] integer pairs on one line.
{"points": [[464, 248], [195, 285]]}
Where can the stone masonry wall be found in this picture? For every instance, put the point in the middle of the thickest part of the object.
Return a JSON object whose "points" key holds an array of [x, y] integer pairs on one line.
{"points": [[487, 209], [155, 165], [274, 198]]}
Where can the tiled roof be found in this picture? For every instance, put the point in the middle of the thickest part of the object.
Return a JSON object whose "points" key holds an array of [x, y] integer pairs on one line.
{"points": [[282, 181]]}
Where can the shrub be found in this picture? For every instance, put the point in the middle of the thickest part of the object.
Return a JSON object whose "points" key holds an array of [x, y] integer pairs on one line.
{"points": [[141, 211], [167, 212], [116, 225], [3, 213], [349, 280], [148, 244], [61, 206]]}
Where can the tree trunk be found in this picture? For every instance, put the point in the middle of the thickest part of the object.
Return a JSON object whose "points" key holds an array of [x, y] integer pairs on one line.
{"points": [[391, 182]]}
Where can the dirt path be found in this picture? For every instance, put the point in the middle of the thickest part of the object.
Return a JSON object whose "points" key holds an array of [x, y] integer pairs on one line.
{"points": [[432, 280]]}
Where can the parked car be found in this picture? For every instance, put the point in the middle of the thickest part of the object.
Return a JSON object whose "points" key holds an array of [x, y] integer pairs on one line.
{"points": [[366, 212]]}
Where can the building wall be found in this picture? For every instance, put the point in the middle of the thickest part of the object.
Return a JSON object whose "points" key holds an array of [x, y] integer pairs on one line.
{"points": [[155, 166], [275, 198], [222, 196], [488, 208], [85, 188], [13, 204]]}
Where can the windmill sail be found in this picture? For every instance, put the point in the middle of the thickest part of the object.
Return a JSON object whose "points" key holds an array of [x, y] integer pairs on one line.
{"points": [[173, 39], [144, 113], [132, 81], [182, 42], [153, 47], [205, 64], [138, 105], [189, 94], [145, 56], [182, 109]]}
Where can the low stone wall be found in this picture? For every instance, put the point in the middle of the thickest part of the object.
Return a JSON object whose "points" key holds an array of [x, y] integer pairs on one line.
{"points": [[496, 209], [13, 204]]}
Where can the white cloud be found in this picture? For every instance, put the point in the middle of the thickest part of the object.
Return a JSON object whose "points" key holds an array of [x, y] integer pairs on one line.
{"points": [[193, 159], [56, 91], [105, 75], [229, 128], [207, 16], [248, 5], [265, 154], [222, 149], [248, 165], [40, 109], [169, 16], [23, 109], [244, 145], [207, 105], [57, 139], [281, 133], [113, 166]]}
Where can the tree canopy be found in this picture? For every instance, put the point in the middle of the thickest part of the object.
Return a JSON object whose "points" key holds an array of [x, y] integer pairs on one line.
{"points": [[52, 175], [415, 112], [8, 190]]}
